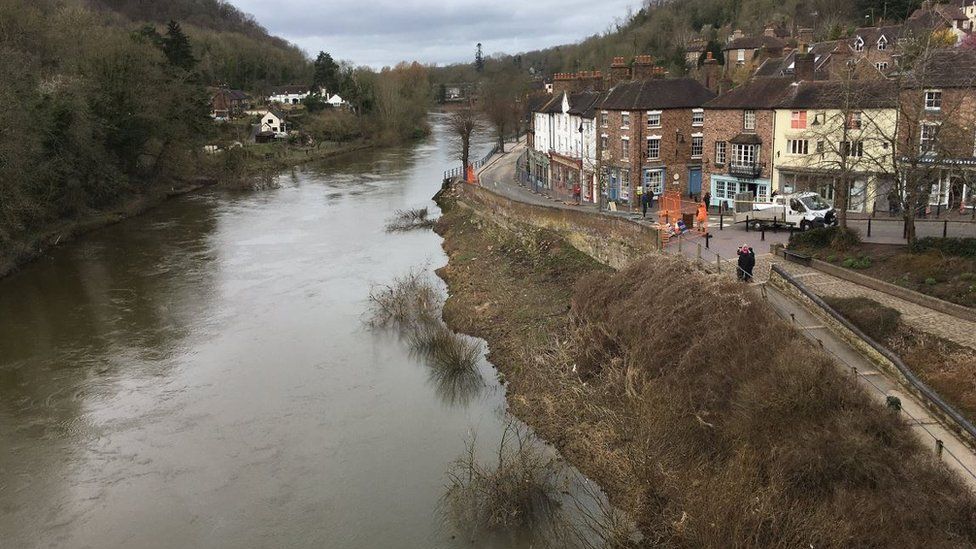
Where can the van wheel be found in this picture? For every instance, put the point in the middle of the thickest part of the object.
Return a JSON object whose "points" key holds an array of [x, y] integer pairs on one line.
{"points": [[804, 226], [757, 225]]}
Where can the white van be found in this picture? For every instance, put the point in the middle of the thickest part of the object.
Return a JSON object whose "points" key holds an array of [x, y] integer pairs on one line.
{"points": [[806, 210]]}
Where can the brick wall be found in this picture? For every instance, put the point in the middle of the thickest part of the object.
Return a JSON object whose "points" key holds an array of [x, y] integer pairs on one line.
{"points": [[675, 155], [723, 125]]}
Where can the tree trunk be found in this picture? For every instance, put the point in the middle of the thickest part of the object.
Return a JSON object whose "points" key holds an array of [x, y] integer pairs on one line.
{"points": [[840, 200]]}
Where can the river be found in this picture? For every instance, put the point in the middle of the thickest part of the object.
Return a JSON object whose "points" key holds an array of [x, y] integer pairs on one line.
{"points": [[202, 376]]}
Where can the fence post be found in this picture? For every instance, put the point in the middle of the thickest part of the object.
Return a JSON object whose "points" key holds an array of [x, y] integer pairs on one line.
{"points": [[869, 226], [945, 228], [680, 238], [718, 263], [853, 372], [698, 255], [708, 236], [939, 445]]}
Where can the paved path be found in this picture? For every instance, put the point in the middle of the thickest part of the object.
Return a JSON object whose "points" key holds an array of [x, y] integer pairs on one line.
{"points": [[920, 317], [957, 456]]}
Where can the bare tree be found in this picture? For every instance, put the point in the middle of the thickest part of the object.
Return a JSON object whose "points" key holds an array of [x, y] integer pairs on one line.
{"points": [[500, 102], [462, 125]]}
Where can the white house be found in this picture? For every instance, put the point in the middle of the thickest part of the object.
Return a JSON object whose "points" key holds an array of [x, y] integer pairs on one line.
{"points": [[272, 124], [334, 101], [289, 95], [565, 132]]}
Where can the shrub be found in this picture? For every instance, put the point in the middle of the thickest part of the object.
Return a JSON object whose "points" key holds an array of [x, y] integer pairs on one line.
{"points": [[874, 319], [931, 281], [862, 262], [831, 258], [967, 276], [837, 238], [958, 247], [408, 220]]}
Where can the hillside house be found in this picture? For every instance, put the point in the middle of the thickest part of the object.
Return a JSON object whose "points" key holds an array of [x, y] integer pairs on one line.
{"points": [[271, 125], [226, 104], [829, 132], [937, 126], [289, 95], [651, 134], [744, 53], [739, 133], [565, 134]]}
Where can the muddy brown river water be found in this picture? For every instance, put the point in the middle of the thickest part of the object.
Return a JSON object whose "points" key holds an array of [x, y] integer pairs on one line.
{"points": [[201, 376]]}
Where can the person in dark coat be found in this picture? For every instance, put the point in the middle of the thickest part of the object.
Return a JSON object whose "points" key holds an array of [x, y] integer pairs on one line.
{"points": [[645, 202], [747, 262], [650, 198]]}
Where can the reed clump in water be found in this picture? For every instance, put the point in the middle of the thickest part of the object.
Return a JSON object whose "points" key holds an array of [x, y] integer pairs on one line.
{"points": [[411, 305], [517, 494], [408, 220]]}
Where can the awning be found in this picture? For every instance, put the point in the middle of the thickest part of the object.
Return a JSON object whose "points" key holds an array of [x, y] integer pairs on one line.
{"points": [[746, 139]]}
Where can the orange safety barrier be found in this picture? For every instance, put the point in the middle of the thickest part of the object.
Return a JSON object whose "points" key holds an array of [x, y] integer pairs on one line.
{"points": [[470, 176]]}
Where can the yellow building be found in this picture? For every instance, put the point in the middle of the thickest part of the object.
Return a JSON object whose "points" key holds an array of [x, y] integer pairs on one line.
{"points": [[831, 131]]}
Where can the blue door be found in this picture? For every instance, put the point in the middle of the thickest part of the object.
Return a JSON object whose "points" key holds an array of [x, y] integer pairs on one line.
{"points": [[694, 181]]}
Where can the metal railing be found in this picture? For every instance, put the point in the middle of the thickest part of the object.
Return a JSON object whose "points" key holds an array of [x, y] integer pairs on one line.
{"points": [[920, 387], [746, 169], [477, 164]]}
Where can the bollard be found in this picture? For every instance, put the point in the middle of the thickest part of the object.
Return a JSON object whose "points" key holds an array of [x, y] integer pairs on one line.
{"points": [[762, 234], [708, 236], [939, 445], [747, 223], [721, 220], [938, 210], [904, 230], [869, 226], [679, 242], [853, 371], [945, 228]]}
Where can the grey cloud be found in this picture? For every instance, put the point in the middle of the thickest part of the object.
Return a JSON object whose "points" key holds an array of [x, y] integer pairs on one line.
{"points": [[383, 32]]}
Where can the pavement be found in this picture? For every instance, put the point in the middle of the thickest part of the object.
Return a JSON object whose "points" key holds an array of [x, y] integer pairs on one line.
{"points": [[498, 175], [956, 454]]}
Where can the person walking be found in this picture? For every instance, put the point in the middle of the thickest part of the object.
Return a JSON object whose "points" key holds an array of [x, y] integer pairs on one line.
{"points": [[702, 218], [645, 202], [650, 199], [743, 253], [750, 264], [578, 194]]}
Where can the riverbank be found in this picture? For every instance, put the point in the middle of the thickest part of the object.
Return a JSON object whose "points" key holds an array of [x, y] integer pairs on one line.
{"points": [[706, 436], [31, 246]]}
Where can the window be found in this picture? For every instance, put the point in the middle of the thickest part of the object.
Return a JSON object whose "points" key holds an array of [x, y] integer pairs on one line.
{"points": [[749, 120], [654, 181], [604, 119], [798, 120], [604, 142], [653, 148], [625, 120], [625, 184], [744, 155], [797, 146], [854, 120], [720, 152], [820, 147], [881, 66], [933, 100], [698, 117], [697, 145], [859, 44], [854, 149], [653, 119], [720, 188], [625, 149], [741, 57], [882, 44], [928, 138]]}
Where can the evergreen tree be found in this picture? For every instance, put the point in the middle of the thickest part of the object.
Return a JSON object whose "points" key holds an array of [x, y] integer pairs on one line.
{"points": [[326, 73], [479, 59], [177, 47]]}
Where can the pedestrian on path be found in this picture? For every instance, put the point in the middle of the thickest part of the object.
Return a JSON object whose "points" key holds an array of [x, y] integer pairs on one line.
{"points": [[747, 262], [645, 203], [702, 218], [578, 194], [650, 199]]}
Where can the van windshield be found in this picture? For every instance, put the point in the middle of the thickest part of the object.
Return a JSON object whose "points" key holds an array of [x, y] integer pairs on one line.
{"points": [[814, 202]]}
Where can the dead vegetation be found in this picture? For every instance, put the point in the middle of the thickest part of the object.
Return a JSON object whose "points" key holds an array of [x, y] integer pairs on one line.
{"points": [[411, 305], [409, 220], [945, 366], [701, 414]]}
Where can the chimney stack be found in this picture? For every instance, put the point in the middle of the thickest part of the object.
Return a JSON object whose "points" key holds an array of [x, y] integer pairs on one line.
{"points": [[619, 71], [770, 31], [711, 73], [803, 64], [737, 34], [643, 67], [805, 36]]}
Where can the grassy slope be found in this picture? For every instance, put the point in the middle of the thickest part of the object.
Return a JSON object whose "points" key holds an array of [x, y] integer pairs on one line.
{"points": [[694, 413]]}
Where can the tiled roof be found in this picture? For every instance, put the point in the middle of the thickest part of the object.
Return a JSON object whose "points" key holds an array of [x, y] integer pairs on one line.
{"points": [[657, 93], [282, 90], [871, 35], [944, 68], [580, 103], [756, 42], [873, 94], [759, 93]]}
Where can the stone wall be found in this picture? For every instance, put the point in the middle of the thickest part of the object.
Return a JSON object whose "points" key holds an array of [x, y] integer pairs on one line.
{"points": [[613, 241]]}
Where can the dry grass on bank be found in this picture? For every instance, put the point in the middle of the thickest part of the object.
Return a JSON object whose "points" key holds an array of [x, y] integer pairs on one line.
{"points": [[700, 413], [409, 220]]}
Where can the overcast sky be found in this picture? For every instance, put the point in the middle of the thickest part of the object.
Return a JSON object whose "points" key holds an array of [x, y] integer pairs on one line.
{"points": [[384, 32]]}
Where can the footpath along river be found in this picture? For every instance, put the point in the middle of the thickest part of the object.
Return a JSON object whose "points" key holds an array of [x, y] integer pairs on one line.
{"points": [[201, 376]]}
